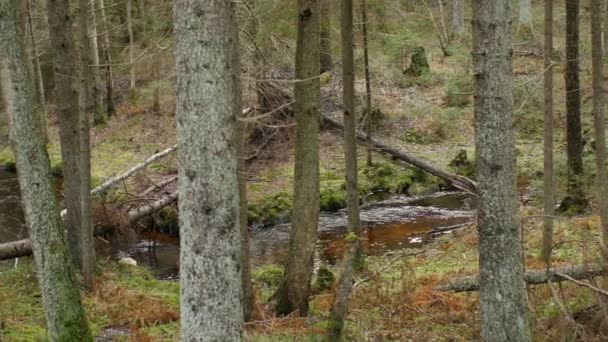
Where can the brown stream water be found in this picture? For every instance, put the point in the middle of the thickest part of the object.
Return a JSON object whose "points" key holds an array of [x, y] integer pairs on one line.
{"points": [[390, 222]]}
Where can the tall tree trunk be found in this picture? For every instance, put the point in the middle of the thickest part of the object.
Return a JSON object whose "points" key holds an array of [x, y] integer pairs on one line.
{"points": [[96, 95], [66, 71], [210, 257], [576, 195], [107, 59], [548, 194], [605, 30], [87, 105], [339, 309], [525, 14], [350, 124], [295, 289], [64, 312], [131, 47], [327, 62], [241, 136], [141, 5], [598, 116], [457, 17], [504, 315], [368, 86]]}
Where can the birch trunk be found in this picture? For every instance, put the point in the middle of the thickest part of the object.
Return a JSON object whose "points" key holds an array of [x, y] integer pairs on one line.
{"points": [[66, 71], [504, 315], [210, 257], [64, 312], [295, 290], [548, 194], [96, 95], [368, 86], [87, 105], [598, 116]]}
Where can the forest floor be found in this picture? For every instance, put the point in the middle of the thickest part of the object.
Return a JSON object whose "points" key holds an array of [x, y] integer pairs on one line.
{"points": [[430, 116]]}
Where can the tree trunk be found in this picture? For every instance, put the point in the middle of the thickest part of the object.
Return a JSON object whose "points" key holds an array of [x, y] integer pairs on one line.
{"points": [[66, 71], [131, 47], [327, 62], [368, 86], [210, 257], [241, 136], [598, 116], [339, 310], [350, 124], [457, 17], [573, 110], [548, 194], [141, 5], [295, 290], [605, 31], [525, 14], [107, 59], [87, 106], [504, 315], [65, 316], [532, 277], [96, 95]]}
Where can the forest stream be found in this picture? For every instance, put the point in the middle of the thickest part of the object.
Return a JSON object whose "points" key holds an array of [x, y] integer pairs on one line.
{"points": [[390, 222]]}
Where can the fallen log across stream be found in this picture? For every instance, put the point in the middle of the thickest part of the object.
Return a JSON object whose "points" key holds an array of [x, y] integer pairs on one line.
{"points": [[532, 277], [458, 181], [21, 248]]}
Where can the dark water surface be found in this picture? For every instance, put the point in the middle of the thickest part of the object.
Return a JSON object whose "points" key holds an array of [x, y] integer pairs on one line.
{"points": [[389, 223]]}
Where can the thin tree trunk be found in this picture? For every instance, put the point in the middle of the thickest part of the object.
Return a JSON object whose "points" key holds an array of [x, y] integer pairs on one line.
{"points": [[37, 72], [107, 58], [525, 14], [573, 108], [598, 116], [605, 30], [241, 136], [548, 194], [327, 62], [210, 257], [368, 86], [141, 4], [504, 315], [87, 103], [339, 310], [65, 316], [131, 47], [66, 72], [350, 124], [96, 95], [295, 289], [457, 17]]}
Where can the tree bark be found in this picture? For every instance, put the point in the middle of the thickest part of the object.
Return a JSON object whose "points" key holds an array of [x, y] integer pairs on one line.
{"points": [[368, 86], [339, 310], [295, 289], [66, 71], [107, 58], [350, 124], [457, 17], [131, 47], [525, 14], [241, 143], [504, 315], [573, 106], [327, 62], [87, 107], [548, 194], [532, 277], [598, 116], [96, 95], [65, 316], [210, 260], [457, 181]]}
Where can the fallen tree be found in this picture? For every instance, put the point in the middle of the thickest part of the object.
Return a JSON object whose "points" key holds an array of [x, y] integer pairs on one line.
{"points": [[21, 248], [532, 277], [457, 181]]}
